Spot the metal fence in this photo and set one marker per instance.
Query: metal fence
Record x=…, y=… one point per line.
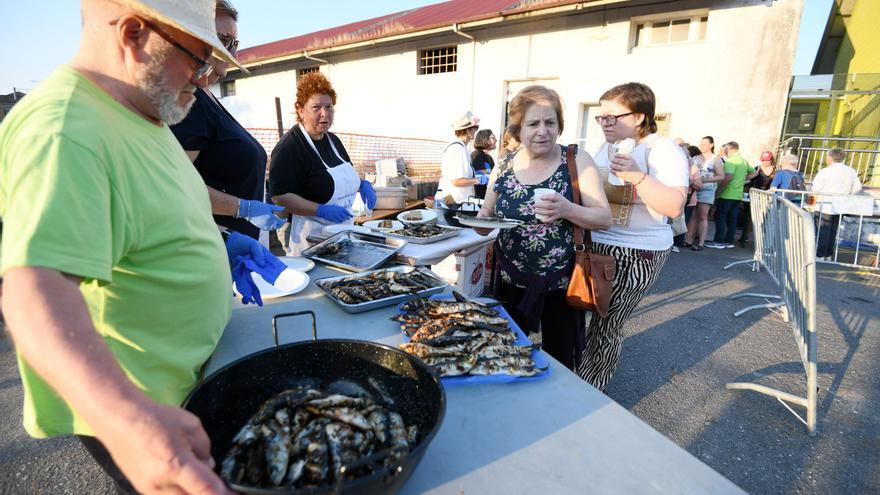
x=422, y=156
x=863, y=154
x=785, y=245
x=854, y=235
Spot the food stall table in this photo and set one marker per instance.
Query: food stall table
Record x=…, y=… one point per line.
x=558, y=435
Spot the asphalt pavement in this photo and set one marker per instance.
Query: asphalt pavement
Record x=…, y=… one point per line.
x=682, y=345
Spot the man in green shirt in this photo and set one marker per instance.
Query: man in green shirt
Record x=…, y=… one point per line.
x=730, y=193
x=116, y=282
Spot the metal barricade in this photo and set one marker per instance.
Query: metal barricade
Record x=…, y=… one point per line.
x=787, y=251
x=764, y=236
x=850, y=223
x=863, y=154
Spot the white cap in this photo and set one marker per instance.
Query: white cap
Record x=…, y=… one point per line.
x=193, y=17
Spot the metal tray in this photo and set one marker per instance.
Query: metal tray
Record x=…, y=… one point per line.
x=388, y=301
x=450, y=232
x=364, y=251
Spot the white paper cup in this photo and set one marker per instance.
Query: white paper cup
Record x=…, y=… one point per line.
x=536, y=195
x=613, y=179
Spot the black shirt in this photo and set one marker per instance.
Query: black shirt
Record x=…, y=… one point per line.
x=480, y=160
x=230, y=159
x=762, y=180
x=295, y=168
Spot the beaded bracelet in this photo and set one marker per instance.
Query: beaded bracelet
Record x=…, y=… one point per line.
x=644, y=176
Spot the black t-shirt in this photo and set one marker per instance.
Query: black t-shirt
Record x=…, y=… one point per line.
x=762, y=180
x=230, y=159
x=480, y=160
x=295, y=168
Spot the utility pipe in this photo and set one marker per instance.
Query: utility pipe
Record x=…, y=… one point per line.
x=459, y=32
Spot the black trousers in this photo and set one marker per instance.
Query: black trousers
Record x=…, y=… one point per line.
x=101, y=456
x=826, y=230
x=726, y=213
x=562, y=327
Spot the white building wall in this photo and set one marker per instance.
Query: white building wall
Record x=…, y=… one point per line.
x=733, y=85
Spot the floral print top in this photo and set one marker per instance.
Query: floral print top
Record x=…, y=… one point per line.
x=534, y=247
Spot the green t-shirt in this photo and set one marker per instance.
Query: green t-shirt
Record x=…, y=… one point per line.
x=91, y=189
x=737, y=166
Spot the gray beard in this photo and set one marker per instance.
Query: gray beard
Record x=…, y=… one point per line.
x=151, y=81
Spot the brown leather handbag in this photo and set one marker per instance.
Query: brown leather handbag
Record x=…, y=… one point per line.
x=593, y=275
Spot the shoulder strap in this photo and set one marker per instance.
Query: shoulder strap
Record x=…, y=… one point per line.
x=453, y=144
x=576, y=199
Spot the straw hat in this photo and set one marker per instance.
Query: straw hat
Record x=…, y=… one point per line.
x=193, y=17
x=465, y=121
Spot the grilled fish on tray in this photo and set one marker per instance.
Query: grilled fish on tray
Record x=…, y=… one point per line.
x=301, y=438
x=379, y=285
x=420, y=230
x=463, y=337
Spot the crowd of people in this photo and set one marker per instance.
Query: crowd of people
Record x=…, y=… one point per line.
x=720, y=183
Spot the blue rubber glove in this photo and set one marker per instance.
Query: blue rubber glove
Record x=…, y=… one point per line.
x=269, y=271
x=333, y=213
x=242, y=245
x=483, y=178
x=244, y=283
x=260, y=214
x=368, y=194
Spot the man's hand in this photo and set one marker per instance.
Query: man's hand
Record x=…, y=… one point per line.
x=162, y=449
x=242, y=245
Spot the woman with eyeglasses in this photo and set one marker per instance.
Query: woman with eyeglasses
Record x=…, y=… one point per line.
x=655, y=179
x=231, y=162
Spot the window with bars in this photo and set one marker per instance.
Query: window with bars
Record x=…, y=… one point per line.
x=307, y=70
x=679, y=29
x=438, y=60
x=227, y=88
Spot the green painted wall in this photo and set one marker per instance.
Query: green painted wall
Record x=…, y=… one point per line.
x=860, y=50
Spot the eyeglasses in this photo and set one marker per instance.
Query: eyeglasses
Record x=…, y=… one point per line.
x=205, y=67
x=229, y=41
x=610, y=119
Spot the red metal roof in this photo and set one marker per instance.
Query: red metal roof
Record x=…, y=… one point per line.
x=408, y=21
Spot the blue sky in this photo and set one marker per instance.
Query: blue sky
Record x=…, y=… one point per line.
x=42, y=34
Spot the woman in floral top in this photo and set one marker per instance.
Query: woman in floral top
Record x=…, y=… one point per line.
x=536, y=257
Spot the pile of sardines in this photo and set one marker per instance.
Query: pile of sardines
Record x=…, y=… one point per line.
x=462, y=337
x=379, y=285
x=423, y=230
x=301, y=438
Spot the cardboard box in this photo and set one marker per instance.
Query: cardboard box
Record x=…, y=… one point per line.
x=466, y=270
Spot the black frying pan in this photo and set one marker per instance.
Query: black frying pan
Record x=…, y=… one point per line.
x=228, y=398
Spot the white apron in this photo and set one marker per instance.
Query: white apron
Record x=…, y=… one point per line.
x=346, y=183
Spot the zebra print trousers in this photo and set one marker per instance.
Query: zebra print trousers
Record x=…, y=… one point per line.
x=636, y=272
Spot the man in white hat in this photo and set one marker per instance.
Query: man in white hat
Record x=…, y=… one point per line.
x=116, y=283
x=457, y=178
